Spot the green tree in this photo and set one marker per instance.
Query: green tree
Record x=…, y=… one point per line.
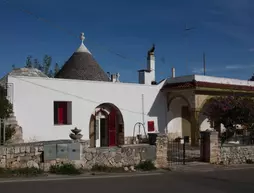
x=47, y=64
x=231, y=110
x=51, y=74
x=36, y=63
x=6, y=110
x=29, y=63
x=252, y=78
x=5, y=106
x=56, y=70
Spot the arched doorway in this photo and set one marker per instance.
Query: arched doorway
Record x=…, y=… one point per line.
x=106, y=126
x=179, y=117
x=204, y=124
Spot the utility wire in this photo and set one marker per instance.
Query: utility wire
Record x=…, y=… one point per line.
x=69, y=32
x=79, y=97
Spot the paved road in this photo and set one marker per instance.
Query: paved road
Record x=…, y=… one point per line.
x=236, y=181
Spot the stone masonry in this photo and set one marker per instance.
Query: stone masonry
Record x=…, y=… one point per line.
x=214, y=147
x=236, y=154
x=31, y=155
x=227, y=154
x=161, y=151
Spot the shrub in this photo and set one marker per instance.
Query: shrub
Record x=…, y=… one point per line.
x=2, y=170
x=230, y=111
x=147, y=165
x=66, y=169
x=9, y=132
x=27, y=171
x=20, y=172
x=249, y=161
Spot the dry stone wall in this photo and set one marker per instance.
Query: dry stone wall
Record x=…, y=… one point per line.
x=26, y=154
x=236, y=154
x=228, y=154
x=117, y=157
x=32, y=155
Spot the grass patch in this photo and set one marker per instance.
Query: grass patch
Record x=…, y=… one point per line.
x=147, y=165
x=20, y=172
x=64, y=169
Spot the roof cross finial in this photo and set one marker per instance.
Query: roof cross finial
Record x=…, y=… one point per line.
x=82, y=37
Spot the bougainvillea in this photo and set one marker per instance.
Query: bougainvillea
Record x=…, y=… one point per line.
x=230, y=111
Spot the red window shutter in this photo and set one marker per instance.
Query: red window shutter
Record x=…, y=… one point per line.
x=60, y=115
x=65, y=112
x=150, y=126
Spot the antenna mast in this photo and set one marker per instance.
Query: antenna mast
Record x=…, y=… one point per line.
x=204, y=63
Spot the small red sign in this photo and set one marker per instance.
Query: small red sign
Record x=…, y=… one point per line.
x=150, y=126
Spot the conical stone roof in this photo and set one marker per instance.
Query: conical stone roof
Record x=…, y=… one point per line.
x=82, y=66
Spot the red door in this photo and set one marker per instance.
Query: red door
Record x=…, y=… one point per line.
x=112, y=128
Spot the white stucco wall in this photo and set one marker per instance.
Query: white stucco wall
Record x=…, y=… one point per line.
x=177, y=125
x=210, y=79
x=33, y=105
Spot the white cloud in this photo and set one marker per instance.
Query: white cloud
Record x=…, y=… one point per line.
x=238, y=67
x=225, y=68
x=251, y=50
x=200, y=70
x=233, y=67
x=197, y=70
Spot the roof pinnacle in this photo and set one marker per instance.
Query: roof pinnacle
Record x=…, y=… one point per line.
x=82, y=37
x=82, y=47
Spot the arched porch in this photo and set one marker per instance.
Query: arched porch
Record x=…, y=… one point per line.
x=106, y=126
x=179, y=117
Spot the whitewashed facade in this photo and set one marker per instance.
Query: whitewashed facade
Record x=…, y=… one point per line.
x=33, y=100
x=89, y=105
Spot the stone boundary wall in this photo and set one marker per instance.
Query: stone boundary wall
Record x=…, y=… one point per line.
x=31, y=155
x=228, y=154
x=130, y=155
x=235, y=154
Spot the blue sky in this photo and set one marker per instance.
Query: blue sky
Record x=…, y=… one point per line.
x=223, y=30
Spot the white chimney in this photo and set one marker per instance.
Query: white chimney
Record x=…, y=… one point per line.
x=151, y=65
x=173, y=72
x=147, y=76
